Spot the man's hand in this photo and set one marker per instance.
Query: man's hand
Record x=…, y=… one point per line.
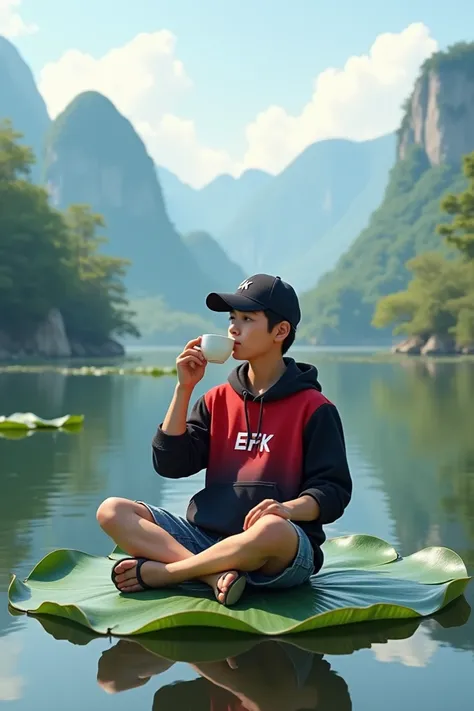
x=304, y=508
x=191, y=364
x=268, y=506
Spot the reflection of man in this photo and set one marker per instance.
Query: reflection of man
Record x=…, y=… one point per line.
x=128, y=665
x=272, y=676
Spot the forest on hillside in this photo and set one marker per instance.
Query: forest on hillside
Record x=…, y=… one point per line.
x=341, y=307
x=50, y=258
x=439, y=299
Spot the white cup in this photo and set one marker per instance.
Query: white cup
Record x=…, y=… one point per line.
x=216, y=349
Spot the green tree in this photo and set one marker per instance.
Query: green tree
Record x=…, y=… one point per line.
x=98, y=287
x=460, y=232
x=425, y=307
x=15, y=160
x=33, y=241
x=50, y=259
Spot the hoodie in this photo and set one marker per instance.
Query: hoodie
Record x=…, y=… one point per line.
x=282, y=444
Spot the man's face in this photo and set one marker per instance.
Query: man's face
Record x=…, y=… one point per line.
x=250, y=332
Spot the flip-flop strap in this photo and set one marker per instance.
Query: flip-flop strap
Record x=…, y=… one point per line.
x=138, y=574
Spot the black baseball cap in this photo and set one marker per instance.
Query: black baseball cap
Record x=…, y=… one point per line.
x=259, y=293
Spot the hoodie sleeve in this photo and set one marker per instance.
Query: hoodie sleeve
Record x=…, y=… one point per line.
x=178, y=456
x=326, y=471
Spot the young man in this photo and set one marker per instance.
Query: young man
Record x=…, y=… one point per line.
x=274, y=453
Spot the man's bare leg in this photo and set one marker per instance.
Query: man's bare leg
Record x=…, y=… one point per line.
x=269, y=546
x=132, y=527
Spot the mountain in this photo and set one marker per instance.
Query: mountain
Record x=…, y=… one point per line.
x=304, y=219
x=21, y=102
x=213, y=261
x=95, y=156
x=436, y=131
x=214, y=206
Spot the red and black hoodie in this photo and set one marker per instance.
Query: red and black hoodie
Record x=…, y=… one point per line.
x=279, y=445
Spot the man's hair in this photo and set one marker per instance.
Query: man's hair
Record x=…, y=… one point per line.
x=273, y=320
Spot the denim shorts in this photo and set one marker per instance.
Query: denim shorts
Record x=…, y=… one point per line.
x=196, y=540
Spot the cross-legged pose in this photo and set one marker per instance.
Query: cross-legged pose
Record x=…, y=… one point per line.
x=273, y=449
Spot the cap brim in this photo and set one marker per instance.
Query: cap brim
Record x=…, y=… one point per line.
x=232, y=302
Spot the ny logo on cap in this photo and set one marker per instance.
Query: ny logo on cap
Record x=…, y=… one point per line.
x=245, y=284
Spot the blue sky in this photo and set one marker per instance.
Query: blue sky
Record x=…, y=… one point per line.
x=240, y=57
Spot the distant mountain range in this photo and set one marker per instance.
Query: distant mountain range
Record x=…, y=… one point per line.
x=213, y=261
x=212, y=207
x=308, y=215
x=298, y=223
x=21, y=102
x=436, y=131
x=183, y=242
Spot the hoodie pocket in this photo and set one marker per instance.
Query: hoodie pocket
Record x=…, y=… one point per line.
x=222, y=508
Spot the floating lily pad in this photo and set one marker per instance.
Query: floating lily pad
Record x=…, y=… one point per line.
x=30, y=421
x=190, y=645
x=362, y=579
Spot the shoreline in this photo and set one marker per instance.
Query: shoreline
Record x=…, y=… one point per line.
x=118, y=366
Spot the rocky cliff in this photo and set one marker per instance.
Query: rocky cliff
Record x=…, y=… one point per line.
x=436, y=131
x=94, y=156
x=21, y=102
x=439, y=106
x=50, y=340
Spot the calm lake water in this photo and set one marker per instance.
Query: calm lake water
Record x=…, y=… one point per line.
x=410, y=438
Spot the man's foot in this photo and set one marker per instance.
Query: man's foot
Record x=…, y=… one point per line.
x=137, y=574
x=226, y=586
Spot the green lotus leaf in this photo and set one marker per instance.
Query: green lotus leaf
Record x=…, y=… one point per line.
x=362, y=579
x=30, y=421
x=190, y=645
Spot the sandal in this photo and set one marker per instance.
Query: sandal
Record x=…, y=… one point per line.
x=234, y=591
x=138, y=576
x=232, y=596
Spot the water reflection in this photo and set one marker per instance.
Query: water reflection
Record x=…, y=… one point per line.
x=50, y=470
x=409, y=433
x=245, y=671
x=11, y=681
x=272, y=676
x=432, y=408
x=416, y=431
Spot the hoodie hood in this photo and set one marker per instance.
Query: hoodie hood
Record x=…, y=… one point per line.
x=297, y=376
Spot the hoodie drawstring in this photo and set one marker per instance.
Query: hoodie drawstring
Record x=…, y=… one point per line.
x=260, y=418
x=247, y=419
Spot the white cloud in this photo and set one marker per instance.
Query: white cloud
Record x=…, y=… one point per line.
x=11, y=22
x=145, y=79
x=175, y=145
x=416, y=651
x=361, y=101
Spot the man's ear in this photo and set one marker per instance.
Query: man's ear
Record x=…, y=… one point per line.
x=282, y=330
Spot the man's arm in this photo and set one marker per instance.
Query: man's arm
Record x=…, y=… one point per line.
x=174, y=423
x=181, y=444
x=304, y=508
x=327, y=480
